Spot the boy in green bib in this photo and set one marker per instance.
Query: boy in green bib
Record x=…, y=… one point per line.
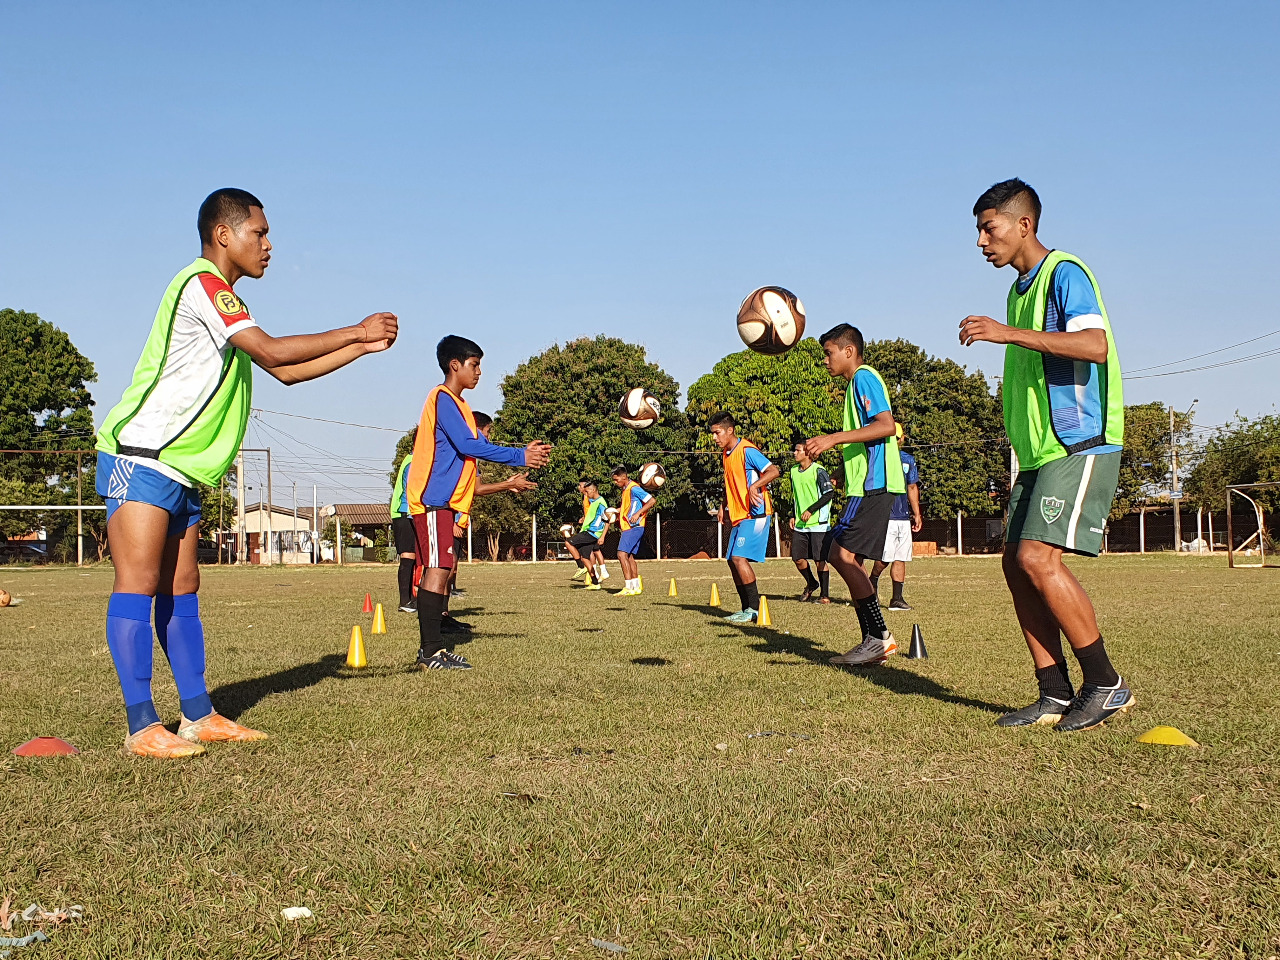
x=1064, y=413
x=180, y=424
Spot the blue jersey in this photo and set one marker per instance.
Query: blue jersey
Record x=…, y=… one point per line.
x=1075, y=386
x=594, y=522
x=869, y=396
x=901, y=504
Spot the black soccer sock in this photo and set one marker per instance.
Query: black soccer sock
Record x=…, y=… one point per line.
x=809, y=579
x=404, y=580
x=742, y=594
x=863, y=625
x=875, y=586
x=1096, y=665
x=430, y=608
x=1054, y=682
x=897, y=589
x=875, y=625
x=750, y=596
x=824, y=578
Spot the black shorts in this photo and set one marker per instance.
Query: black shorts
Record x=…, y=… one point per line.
x=585, y=541
x=403, y=535
x=807, y=545
x=863, y=526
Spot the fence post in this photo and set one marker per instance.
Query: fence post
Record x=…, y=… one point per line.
x=533, y=551
x=1200, y=529
x=959, y=535
x=1142, y=529
x=719, y=539
x=79, y=513
x=1211, y=530
x=469, y=560
x=777, y=537
x=337, y=526
x=657, y=523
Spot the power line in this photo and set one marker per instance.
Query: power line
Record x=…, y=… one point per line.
x=1199, y=356
x=1207, y=366
x=341, y=423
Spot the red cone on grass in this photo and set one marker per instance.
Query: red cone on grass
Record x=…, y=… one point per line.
x=368, y=604
x=46, y=747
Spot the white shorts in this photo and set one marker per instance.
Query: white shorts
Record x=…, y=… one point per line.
x=897, y=544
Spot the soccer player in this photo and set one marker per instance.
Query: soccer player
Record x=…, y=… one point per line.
x=591, y=534
x=402, y=535
x=747, y=475
x=635, y=506
x=872, y=477
x=180, y=423
x=1064, y=414
x=811, y=492
x=442, y=483
x=904, y=520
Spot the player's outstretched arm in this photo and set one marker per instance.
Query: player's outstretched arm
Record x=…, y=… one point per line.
x=456, y=431
x=881, y=426
x=294, y=359
x=1088, y=345
x=517, y=484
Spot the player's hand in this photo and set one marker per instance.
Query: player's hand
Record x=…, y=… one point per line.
x=916, y=523
x=458, y=531
x=818, y=446
x=805, y=516
x=720, y=515
x=537, y=454
x=975, y=328
x=520, y=483
x=379, y=331
x=755, y=495
x=793, y=523
x=600, y=539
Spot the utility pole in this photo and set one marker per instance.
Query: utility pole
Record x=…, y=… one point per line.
x=315, y=526
x=293, y=534
x=241, y=546
x=1175, y=495
x=270, y=506
x=79, y=513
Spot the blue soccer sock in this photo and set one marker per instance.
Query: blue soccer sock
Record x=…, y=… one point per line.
x=129, y=640
x=182, y=639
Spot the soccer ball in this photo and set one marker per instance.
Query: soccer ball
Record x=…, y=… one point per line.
x=771, y=320
x=566, y=530
x=639, y=409
x=611, y=514
x=652, y=476
x=5, y=598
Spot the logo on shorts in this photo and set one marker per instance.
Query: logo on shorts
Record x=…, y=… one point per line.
x=741, y=541
x=1051, y=508
x=228, y=303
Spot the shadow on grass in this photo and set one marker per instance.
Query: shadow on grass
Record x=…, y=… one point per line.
x=234, y=699
x=650, y=662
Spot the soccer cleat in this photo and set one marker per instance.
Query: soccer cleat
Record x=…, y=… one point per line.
x=457, y=661
x=593, y=586
x=807, y=594
x=824, y=599
x=871, y=651
x=1094, y=705
x=157, y=742
x=410, y=607
x=580, y=575
x=896, y=604
x=742, y=616
x=625, y=592
x=450, y=625
x=455, y=592
x=215, y=728
x=1046, y=710
x=437, y=661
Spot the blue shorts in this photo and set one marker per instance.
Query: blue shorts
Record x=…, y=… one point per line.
x=629, y=542
x=120, y=480
x=750, y=539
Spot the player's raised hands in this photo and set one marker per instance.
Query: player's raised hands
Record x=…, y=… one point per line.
x=977, y=328
x=537, y=454
x=520, y=483
x=380, y=331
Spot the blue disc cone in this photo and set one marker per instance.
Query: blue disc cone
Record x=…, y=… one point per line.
x=917, y=652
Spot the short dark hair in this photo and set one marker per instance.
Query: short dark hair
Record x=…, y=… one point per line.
x=588, y=482
x=482, y=419
x=1006, y=193
x=453, y=347
x=619, y=471
x=228, y=205
x=844, y=335
x=724, y=416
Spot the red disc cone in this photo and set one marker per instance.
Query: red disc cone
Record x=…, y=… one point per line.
x=368, y=604
x=46, y=747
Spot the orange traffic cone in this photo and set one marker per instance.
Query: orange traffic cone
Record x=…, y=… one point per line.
x=379, y=622
x=355, y=649
x=368, y=604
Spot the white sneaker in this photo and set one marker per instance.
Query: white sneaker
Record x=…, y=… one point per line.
x=872, y=650
x=603, y=574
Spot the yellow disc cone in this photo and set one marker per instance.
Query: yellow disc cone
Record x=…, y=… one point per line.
x=715, y=596
x=672, y=592
x=355, y=649
x=379, y=621
x=1167, y=737
x=763, y=617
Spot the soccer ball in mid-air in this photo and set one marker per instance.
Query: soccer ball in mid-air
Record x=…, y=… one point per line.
x=5, y=599
x=611, y=514
x=771, y=320
x=652, y=476
x=639, y=409
x=566, y=530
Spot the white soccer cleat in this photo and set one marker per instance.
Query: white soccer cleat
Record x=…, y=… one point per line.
x=872, y=650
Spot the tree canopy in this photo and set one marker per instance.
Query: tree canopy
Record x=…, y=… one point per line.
x=1246, y=451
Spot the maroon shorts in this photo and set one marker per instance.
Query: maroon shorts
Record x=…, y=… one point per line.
x=433, y=532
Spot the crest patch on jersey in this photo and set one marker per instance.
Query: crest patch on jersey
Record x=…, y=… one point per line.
x=230, y=307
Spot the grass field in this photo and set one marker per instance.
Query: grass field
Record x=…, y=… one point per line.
x=887, y=817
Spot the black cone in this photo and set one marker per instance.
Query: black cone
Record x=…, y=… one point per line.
x=917, y=652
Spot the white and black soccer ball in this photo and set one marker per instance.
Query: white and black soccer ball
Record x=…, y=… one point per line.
x=639, y=409
x=611, y=514
x=566, y=530
x=771, y=320
x=652, y=476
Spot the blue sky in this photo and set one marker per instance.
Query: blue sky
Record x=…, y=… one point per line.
x=529, y=173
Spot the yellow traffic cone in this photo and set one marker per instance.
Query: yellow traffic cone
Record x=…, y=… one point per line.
x=379, y=621
x=763, y=617
x=355, y=649
x=1167, y=737
x=715, y=596
x=672, y=592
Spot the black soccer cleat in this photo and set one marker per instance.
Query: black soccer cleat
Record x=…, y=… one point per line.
x=440, y=660
x=450, y=625
x=1047, y=710
x=897, y=604
x=457, y=661
x=807, y=594
x=1095, y=705
x=410, y=607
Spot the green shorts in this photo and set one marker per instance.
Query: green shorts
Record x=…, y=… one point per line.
x=1065, y=502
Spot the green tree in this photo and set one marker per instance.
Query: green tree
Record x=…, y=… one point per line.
x=1246, y=451
x=1144, y=462
x=568, y=395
